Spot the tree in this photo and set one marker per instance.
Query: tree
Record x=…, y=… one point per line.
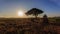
x=34, y=12
x=45, y=20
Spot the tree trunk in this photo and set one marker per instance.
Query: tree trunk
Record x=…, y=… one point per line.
x=36, y=16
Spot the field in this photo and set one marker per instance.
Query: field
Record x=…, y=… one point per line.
x=29, y=26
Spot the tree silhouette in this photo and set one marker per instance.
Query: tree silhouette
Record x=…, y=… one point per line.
x=34, y=12
x=45, y=20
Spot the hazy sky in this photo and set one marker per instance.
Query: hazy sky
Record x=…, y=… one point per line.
x=11, y=7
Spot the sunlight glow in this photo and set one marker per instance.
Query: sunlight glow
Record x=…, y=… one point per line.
x=20, y=13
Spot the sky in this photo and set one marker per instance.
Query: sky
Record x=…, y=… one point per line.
x=9, y=8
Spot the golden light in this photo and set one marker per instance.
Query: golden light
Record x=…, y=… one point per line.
x=20, y=13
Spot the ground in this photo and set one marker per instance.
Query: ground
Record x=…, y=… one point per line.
x=29, y=26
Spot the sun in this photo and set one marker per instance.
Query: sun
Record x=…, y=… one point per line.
x=20, y=13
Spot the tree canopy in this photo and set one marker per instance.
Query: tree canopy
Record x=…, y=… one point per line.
x=34, y=12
